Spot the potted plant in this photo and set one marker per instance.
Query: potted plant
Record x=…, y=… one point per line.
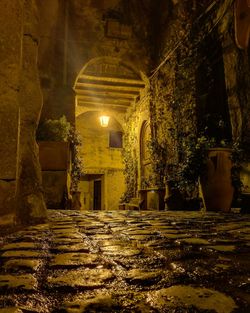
x=60, y=162
x=215, y=165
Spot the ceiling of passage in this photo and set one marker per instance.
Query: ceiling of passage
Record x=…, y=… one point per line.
x=107, y=83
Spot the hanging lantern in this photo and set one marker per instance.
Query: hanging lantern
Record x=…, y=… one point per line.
x=104, y=120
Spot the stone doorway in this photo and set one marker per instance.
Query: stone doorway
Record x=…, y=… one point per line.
x=91, y=188
x=105, y=86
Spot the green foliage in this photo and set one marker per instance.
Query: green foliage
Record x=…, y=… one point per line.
x=192, y=164
x=159, y=154
x=77, y=163
x=131, y=168
x=54, y=130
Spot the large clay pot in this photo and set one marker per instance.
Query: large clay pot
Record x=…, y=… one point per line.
x=216, y=183
x=54, y=157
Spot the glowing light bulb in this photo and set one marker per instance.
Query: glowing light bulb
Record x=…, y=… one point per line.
x=104, y=120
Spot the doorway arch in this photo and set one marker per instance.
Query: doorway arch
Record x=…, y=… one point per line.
x=111, y=86
x=145, y=160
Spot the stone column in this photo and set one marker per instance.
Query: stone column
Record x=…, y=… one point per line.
x=30, y=202
x=10, y=59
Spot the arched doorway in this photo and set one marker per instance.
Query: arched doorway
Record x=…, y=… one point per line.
x=110, y=86
x=103, y=182
x=145, y=162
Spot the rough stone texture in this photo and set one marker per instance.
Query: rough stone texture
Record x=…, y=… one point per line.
x=164, y=275
x=10, y=50
x=26, y=282
x=21, y=102
x=15, y=265
x=187, y=296
x=74, y=259
x=30, y=202
x=100, y=303
x=142, y=277
x=88, y=278
x=21, y=254
x=20, y=246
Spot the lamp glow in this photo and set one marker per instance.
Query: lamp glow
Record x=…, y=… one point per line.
x=104, y=120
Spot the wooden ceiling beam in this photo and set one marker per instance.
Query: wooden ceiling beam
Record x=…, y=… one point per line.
x=118, y=107
x=119, y=88
x=100, y=105
x=111, y=80
x=109, y=94
x=104, y=100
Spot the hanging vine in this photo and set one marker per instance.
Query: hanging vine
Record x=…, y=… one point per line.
x=130, y=160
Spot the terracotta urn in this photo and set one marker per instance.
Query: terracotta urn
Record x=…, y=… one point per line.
x=216, y=183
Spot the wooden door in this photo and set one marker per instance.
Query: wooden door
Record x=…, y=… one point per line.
x=97, y=195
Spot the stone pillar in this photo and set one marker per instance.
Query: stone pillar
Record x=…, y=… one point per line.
x=30, y=202
x=10, y=58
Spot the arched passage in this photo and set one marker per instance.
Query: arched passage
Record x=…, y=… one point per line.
x=104, y=85
x=109, y=84
x=103, y=182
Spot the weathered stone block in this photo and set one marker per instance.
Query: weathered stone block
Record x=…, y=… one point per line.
x=7, y=194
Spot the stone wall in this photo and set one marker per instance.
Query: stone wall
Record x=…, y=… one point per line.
x=137, y=116
x=179, y=47
x=10, y=59
x=21, y=192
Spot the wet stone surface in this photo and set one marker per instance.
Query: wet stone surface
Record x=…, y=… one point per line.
x=128, y=261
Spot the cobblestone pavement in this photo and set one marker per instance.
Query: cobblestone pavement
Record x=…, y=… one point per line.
x=124, y=261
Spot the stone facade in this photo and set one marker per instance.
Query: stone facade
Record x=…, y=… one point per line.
x=45, y=45
x=101, y=162
x=176, y=99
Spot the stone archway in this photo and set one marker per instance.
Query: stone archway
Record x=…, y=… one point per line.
x=110, y=86
x=107, y=83
x=102, y=162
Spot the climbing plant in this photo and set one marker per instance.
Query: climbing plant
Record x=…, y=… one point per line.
x=130, y=160
x=174, y=93
x=77, y=169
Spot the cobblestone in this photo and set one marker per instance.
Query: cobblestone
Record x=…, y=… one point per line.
x=128, y=261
